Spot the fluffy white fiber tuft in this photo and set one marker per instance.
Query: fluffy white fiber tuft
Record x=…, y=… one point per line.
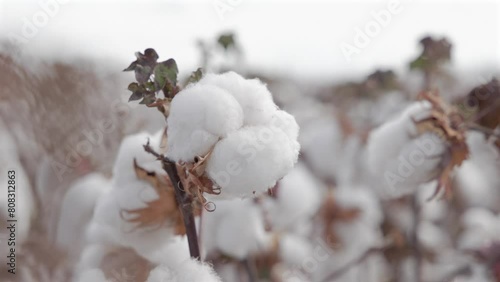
x=188, y=271
x=199, y=116
x=255, y=143
x=401, y=158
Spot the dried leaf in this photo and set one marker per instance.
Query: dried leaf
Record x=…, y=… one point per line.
x=446, y=122
x=161, y=211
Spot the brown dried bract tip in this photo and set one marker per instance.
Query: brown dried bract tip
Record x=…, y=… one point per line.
x=196, y=182
x=446, y=122
x=159, y=212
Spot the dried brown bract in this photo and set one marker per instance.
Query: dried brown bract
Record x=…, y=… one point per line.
x=161, y=211
x=195, y=181
x=446, y=122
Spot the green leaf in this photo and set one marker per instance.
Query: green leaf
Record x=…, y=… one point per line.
x=226, y=40
x=138, y=91
x=148, y=99
x=195, y=76
x=166, y=72
x=135, y=96
x=419, y=63
x=132, y=66
x=142, y=73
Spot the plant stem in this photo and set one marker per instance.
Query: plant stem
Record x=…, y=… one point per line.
x=183, y=200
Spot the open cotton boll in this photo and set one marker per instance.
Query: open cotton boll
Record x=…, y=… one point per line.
x=431, y=210
x=199, y=116
x=477, y=177
x=173, y=253
x=251, y=160
x=235, y=228
x=241, y=232
x=297, y=199
x=285, y=122
x=321, y=141
x=433, y=236
x=294, y=249
x=132, y=149
x=400, y=158
x=188, y=271
x=481, y=228
x=77, y=209
x=129, y=193
x=253, y=96
x=92, y=275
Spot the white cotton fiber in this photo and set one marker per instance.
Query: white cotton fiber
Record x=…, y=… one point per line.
x=477, y=177
x=92, y=275
x=128, y=193
x=199, y=116
x=189, y=271
x=253, y=96
x=400, y=158
x=240, y=232
x=294, y=249
x=255, y=143
x=251, y=160
x=481, y=228
x=77, y=210
x=297, y=199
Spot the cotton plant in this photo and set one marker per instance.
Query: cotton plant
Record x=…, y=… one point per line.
x=225, y=141
x=426, y=142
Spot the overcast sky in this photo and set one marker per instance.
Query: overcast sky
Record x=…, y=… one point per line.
x=295, y=37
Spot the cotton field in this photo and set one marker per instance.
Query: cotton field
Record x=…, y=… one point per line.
x=207, y=141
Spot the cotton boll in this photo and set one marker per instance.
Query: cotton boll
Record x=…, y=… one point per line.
x=433, y=211
x=241, y=232
x=188, y=271
x=481, y=228
x=77, y=209
x=294, y=249
x=132, y=149
x=173, y=253
x=399, y=158
x=477, y=177
x=253, y=96
x=363, y=199
x=199, y=116
x=92, y=275
x=322, y=143
x=433, y=237
x=128, y=193
x=285, y=122
x=251, y=160
x=92, y=256
x=297, y=199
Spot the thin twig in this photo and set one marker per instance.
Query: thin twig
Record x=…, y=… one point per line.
x=183, y=200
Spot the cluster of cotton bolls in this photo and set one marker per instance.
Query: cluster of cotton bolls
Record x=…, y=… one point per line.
x=108, y=232
x=342, y=212
x=253, y=143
